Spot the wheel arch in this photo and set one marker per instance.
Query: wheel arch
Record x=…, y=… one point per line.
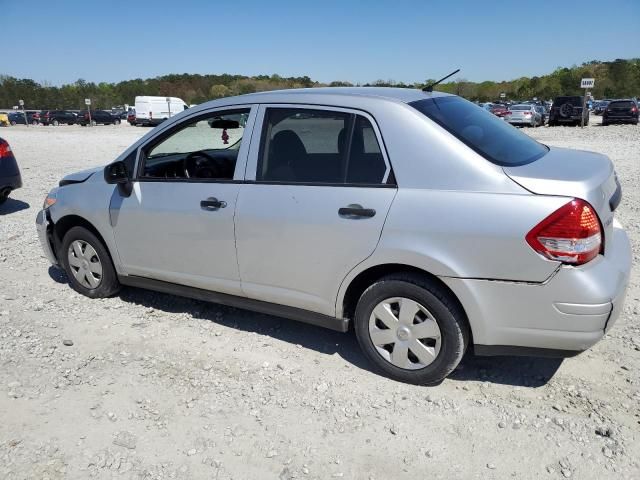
x=370, y=275
x=66, y=223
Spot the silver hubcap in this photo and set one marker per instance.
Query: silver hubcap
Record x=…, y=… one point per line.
x=85, y=264
x=404, y=333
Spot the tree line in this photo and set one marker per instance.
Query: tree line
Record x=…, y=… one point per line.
x=615, y=79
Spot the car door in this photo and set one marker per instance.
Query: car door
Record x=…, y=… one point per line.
x=178, y=223
x=319, y=186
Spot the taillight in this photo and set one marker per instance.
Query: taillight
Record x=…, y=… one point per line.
x=571, y=234
x=5, y=150
x=634, y=109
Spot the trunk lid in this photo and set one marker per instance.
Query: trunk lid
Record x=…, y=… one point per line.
x=576, y=174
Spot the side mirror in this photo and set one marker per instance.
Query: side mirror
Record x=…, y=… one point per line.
x=116, y=173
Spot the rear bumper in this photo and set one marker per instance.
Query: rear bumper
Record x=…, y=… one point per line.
x=569, y=312
x=620, y=119
x=44, y=227
x=13, y=182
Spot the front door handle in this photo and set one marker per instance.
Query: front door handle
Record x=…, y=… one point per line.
x=355, y=210
x=212, y=203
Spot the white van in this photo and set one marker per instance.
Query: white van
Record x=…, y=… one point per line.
x=155, y=110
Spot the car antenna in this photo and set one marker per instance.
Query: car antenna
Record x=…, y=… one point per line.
x=429, y=88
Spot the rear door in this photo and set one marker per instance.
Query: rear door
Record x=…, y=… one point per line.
x=318, y=189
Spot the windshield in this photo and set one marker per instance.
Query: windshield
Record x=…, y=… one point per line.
x=491, y=137
x=520, y=107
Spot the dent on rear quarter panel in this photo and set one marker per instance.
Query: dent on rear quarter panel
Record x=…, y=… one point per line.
x=467, y=235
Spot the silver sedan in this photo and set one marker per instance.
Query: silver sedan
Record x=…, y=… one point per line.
x=524, y=115
x=419, y=220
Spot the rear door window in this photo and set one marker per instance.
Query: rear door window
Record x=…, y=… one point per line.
x=312, y=146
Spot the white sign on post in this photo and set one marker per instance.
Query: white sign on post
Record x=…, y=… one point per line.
x=503, y=95
x=21, y=102
x=87, y=101
x=587, y=83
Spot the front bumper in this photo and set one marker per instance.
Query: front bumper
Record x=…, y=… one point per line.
x=570, y=311
x=45, y=235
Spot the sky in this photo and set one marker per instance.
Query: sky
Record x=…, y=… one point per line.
x=357, y=41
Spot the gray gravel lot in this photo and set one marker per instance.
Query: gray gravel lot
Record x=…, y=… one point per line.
x=156, y=386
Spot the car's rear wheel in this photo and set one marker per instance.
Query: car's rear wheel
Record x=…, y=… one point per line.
x=88, y=264
x=34, y=122
x=116, y=122
x=93, y=123
x=13, y=122
x=411, y=328
x=55, y=123
x=4, y=194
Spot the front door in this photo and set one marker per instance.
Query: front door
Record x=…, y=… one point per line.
x=314, y=204
x=178, y=223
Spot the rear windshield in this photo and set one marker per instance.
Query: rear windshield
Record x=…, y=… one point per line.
x=490, y=136
x=626, y=104
x=575, y=101
x=520, y=107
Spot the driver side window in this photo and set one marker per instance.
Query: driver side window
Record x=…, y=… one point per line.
x=203, y=149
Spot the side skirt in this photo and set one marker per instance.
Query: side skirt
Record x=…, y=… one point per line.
x=292, y=313
x=515, y=351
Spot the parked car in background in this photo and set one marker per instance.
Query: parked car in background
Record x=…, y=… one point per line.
x=524, y=115
x=600, y=106
x=499, y=110
x=97, y=117
x=457, y=231
x=18, y=117
x=567, y=110
x=4, y=119
x=155, y=110
x=542, y=111
x=56, y=117
x=10, y=178
x=131, y=117
x=621, y=111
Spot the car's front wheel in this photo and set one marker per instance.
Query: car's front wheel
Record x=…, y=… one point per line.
x=116, y=122
x=411, y=328
x=88, y=264
x=4, y=195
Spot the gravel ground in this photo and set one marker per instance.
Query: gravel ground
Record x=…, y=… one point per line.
x=148, y=386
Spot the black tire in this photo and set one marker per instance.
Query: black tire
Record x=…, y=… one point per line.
x=13, y=122
x=34, y=123
x=109, y=284
x=605, y=123
x=55, y=123
x=116, y=122
x=447, y=312
x=4, y=195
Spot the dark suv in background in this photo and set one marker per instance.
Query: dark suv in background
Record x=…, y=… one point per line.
x=620, y=111
x=567, y=110
x=97, y=116
x=56, y=117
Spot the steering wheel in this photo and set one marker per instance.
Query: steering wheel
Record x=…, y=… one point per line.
x=191, y=165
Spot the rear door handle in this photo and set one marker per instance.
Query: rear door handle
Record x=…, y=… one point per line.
x=356, y=211
x=212, y=203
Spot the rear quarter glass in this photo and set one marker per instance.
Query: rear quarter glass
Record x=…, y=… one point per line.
x=488, y=135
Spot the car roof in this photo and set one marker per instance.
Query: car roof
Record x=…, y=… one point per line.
x=330, y=96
